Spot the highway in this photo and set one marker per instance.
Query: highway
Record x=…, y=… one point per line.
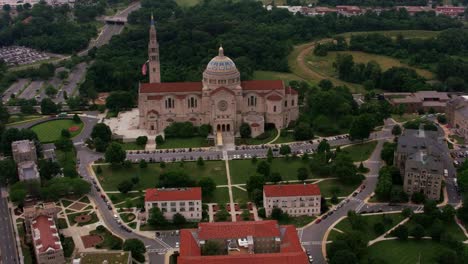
x=9, y=253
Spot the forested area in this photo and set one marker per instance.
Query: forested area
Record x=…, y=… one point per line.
x=45, y=27
x=256, y=39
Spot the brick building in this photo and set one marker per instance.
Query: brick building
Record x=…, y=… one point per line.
x=23, y=150
x=242, y=242
x=185, y=201
x=294, y=199
x=422, y=100
x=457, y=115
x=46, y=241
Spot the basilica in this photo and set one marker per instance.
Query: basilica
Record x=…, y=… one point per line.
x=221, y=99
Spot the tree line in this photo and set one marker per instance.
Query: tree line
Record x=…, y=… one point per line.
x=256, y=39
x=379, y=3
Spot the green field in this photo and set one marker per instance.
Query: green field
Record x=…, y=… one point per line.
x=239, y=195
x=345, y=226
x=220, y=195
x=241, y=170
x=324, y=65
x=406, y=252
x=22, y=118
x=272, y=133
x=451, y=228
x=187, y=3
x=193, y=142
x=110, y=178
x=103, y=257
x=50, y=131
x=289, y=137
x=404, y=117
x=360, y=152
x=327, y=186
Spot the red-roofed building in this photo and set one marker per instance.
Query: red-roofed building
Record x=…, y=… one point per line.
x=185, y=201
x=242, y=242
x=294, y=199
x=46, y=241
x=451, y=11
x=346, y=10
x=220, y=99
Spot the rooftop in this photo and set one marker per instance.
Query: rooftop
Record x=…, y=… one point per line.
x=282, y=190
x=23, y=145
x=173, y=194
x=28, y=170
x=45, y=234
x=238, y=229
x=180, y=87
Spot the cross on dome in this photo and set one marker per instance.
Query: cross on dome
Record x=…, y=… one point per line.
x=221, y=51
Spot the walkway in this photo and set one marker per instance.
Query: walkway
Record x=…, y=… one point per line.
x=231, y=199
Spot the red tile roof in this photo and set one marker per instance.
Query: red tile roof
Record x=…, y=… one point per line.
x=263, y=85
x=181, y=194
x=45, y=235
x=281, y=190
x=290, y=90
x=171, y=87
x=238, y=229
x=290, y=250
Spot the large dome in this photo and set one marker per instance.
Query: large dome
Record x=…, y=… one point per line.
x=221, y=71
x=221, y=64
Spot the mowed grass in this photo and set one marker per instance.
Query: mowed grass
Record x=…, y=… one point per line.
x=451, y=228
x=423, y=34
x=149, y=177
x=324, y=64
x=239, y=196
x=345, y=226
x=271, y=75
x=327, y=187
x=220, y=195
x=22, y=118
x=241, y=170
x=193, y=142
x=51, y=131
x=404, y=117
x=406, y=252
x=360, y=152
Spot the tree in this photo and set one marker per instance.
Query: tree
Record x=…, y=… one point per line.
x=212, y=248
x=303, y=132
x=65, y=133
x=156, y=218
x=222, y=215
x=276, y=177
x=407, y=212
x=207, y=185
x=102, y=131
x=442, y=119
x=276, y=213
x=200, y=162
x=447, y=256
x=125, y=186
x=447, y=214
x=48, y=107
x=204, y=130
x=178, y=220
x=418, y=197
x=396, y=130
x=245, y=130
x=387, y=153
x=264, y=168
x=302, y=174
x=417, y=232
x=48, y=169
x=76, y=119
x=115, y=154
x=159, y=140
x=345, y=170
x=401, y=232
x=62, y=75
x=175, y=179
x=141, y=140
x=253, y=183
x=343, y=257
x=136, y=247
x=245, y=215
x=99, y=169
x=50, y=91
x=9, y=173
x=269, y=155
x=361, y=127
x=379, y=228
x=4, y=114
x=143, y=164
x=119, y=100
x=285, y=149
x=323, y=146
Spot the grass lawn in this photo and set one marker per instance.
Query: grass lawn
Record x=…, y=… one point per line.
x=110, y=241
x=241, y=170
x=452, y=228
x=66, y=203
x=271, y=75
x=71, y=218
x=127, y=217
x=239, y=195
x=406, y=252
x=104, y=257
x=404, y=117
x=187, y=3
x=130, y=146
x=50, y=131
x=121, y=197
x=193, y=142
x=345, y=226
x=361, y=152
x=289, y=137
x=149, y=176
x=272, y=133
x=68, y=246
x=220, y=195
x=457, y=139
x=22, y=118
x=62, y=223
x=327, y=186
x=298, y=221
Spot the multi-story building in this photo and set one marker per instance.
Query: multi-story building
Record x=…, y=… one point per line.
x=451, y=11
x=423, y=173
x=457, y=115
x=23, y=150
x=185, y=201
x=33, y=211
x=421, y=157
x=294, y=199
x=27, y=171
x=346, y=10
x=46, y=241
x=422, y=100
x=242, y=242
x=221, y=99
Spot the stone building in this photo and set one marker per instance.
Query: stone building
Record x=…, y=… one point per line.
x=33, y=211
x=185, y=201
x=422, y=100
x=46, y=241
x=421, y=157
x=221, y=99
x=24, y=150
x=250, y=242
x=457, y=115
x=294, y=199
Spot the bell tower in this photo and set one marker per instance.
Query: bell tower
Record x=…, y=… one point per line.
x=153, y=54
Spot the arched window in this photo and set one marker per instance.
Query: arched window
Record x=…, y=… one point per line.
x=274, y=108
x=192, y=102
x=228, y=127
x=169, y=103
x=252, y=100
x=292, y=102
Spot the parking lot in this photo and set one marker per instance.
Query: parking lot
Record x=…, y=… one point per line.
x=15, y=88
x=17, y=55
x=31, y=91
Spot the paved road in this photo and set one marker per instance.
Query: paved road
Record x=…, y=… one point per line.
x=15, y=88
x=31, y=90
x=9, y=254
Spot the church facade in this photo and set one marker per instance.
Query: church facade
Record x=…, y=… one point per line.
x=221, y=99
